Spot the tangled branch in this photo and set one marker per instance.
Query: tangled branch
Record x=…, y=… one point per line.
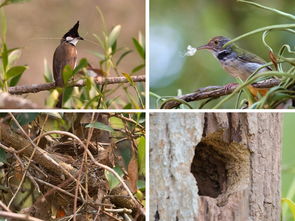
x=213, y=92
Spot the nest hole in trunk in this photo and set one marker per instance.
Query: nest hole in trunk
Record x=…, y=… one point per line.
x=220, y=168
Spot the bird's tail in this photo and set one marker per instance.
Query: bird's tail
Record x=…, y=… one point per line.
x=59, y=101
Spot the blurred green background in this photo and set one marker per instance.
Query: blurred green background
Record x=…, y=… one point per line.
x=288, y=159
x=176, y=24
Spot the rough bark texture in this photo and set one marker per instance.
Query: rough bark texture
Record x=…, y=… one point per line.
x=173, y=189
x=234, y=158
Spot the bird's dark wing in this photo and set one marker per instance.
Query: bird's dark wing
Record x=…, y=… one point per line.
x=247, y=56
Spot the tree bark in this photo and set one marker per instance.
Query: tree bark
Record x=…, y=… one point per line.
x=215, y=166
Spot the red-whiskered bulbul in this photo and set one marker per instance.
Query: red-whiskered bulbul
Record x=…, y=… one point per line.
x=65, y=53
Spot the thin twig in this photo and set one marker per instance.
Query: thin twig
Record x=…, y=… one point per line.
x=4, y=206
x=28, y=173
x=127, y=119
x=110, y=215
x=70, y=194
x=8, y=149
x=18, y=216
x=42, y=157
x=81, y=169
x=93, y=159
x=34, y=88
x=214, y=92
x=121, y=210
x=54, y=187
x=30, y=159
x=127, y=218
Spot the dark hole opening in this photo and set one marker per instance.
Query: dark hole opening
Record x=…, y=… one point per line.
x=209, y=170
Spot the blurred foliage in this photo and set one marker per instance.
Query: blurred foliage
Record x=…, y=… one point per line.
x=112, y=180
x=7, y=2
x=288, y=164
x=291, y=205
x=198, y=22
x=9, y=72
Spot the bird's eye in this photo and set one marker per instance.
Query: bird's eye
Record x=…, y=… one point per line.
x=216, y=42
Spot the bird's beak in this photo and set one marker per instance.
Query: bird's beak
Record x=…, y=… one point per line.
x=204, y=47
x=80, y=38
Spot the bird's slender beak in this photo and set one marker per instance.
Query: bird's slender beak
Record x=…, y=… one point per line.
x=80, y=38
x=204, y=47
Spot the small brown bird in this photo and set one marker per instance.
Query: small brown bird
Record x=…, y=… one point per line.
x=65, y=53
x=238, y=62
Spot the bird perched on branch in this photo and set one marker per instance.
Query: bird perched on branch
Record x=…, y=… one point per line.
x=65, y=54
x=238, y=62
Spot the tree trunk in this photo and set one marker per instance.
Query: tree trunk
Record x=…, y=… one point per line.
x=215, y=166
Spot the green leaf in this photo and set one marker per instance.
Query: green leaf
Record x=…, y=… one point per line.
x=14, y=71
x=11, y=50
x=116, y=123
x=99, y=55
x=67, y=73
x=141, y=185
x=291, y=205
x=82, y=64
x=88, y=83
x=141, y=155
x=99, y=40
x=137, y=68
x=68, y=91
x=122, y=56
x=124, y=151
x=113, y=36
x=47, y=72
x=25, y=118
x=18, y=1
x=13, y=56
x=114, y=47
x=128, y=106
x=55, y=115
x=100, y=126
x=134, y=102
x=92, y=102
x=140, y=38
x=4, y=3
x=13, y=81
x=287, y=15
x=52, y=99
x=139, y=48
x=7, y=2
x=128, y=77
x=3, y=25
x=101, y=17
x=4, y=55
x=3, y=157
x=141, y=118
x=112, y=180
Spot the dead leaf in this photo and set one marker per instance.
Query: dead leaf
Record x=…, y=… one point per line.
x=273, y=59
x=133, y=173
